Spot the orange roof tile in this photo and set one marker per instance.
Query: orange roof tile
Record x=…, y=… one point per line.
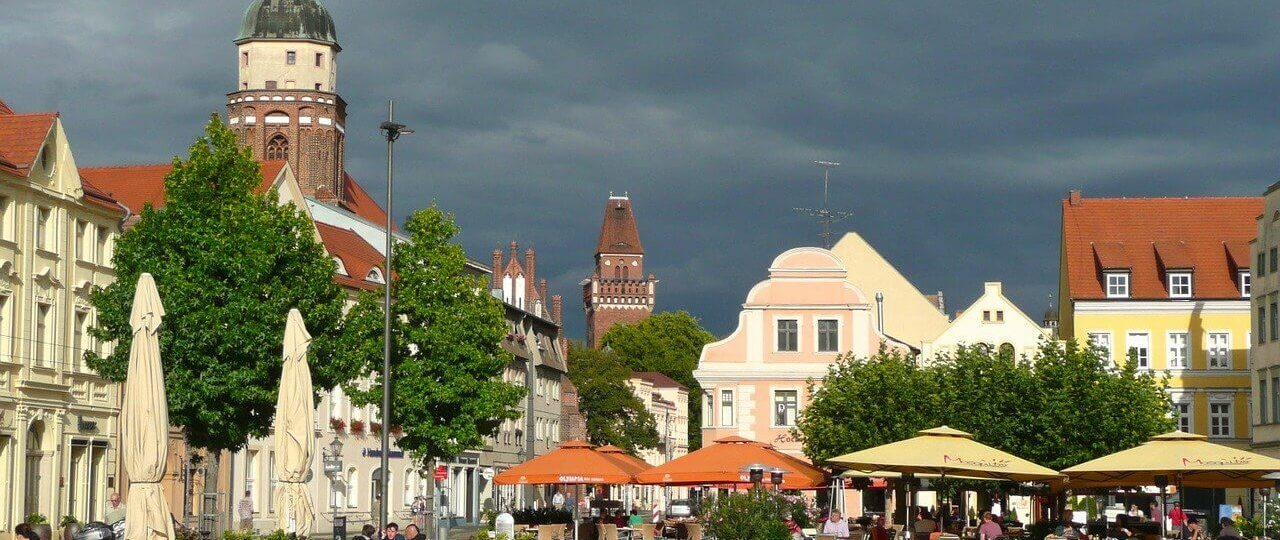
x=356, y=254
x=1151, y=235
x=657, y=379
x=138, y=185
x=618, y=232
x=358, y=201
x=21, y=136
x=4, y=108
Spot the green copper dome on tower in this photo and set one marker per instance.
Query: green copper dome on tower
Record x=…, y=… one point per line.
x=302, y=20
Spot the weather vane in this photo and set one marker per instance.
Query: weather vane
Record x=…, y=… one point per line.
x=825, y=215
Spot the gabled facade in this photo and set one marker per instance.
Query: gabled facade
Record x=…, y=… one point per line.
x=1264, y=348
x=992, y=321
x=59, y=421
x=792, y=327
x=1165, y=283
x=909, y=315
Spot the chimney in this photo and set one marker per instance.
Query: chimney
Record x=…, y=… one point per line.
x=880, y=312
x=556, y=304
x=542, y=290
x=1074, y=197
x=530, y=258
x=497, y=268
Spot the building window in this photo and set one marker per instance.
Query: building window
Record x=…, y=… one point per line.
x=1139, y=345
x=1102, y=340
x=1180, y=285
x=1182, y=415
x=251, y=476
x=244, y=58
x=1246, y=284
x=80, y=239
x=986, y=316
x=6, y=231
x=1262, y=324
x=1220, y=419
x=788, y=335
x=999, y=315
x=726, y=408
x=42, y=228
x=77, y=338
x=1262, y=397
x=1261, y=265
x=786, y=403
x=1117, y=285
x=708, y=409
x=271, y=85
x=1275, y=399
x=271, y=481
x=43, y=322
x=1272, y=313
x=291, y=57
x=1274, y=257
x=1219, y=350
x=1177, y=350
x=278, y=148
x=319, y=59
x=353, y=488
x=828, y=335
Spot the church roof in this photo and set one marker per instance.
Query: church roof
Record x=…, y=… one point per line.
x=293, y=20
x=138, y=185
x=358, y=257
x=618, y=233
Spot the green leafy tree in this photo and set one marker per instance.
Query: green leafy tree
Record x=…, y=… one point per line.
x=614, y=414
x=447, y=393
x=229, y=263
x=669, y=343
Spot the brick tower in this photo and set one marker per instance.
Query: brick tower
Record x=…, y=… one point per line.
x=618, y=291
x=286, y=105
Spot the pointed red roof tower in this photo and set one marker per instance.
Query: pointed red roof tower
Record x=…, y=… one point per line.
x=618, y=292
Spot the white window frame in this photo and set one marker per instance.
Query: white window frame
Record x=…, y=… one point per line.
x=1185, y=349
x=709, y=409
x=733, y=407
x=1180, y=285
x=1222, y=358
x=1188, y=415
x=1228, y=417
x=773, y=405
x=1246, y=284
x=41, y=233
x=1109, y=345
x=777, y=331
x=1120, y=287
x=817, y=334
x=1129, y=337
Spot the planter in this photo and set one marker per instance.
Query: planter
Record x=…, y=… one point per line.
x=69, y=531
x=44, y=531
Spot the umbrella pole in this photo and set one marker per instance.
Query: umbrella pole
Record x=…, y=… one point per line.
x=1163, y=532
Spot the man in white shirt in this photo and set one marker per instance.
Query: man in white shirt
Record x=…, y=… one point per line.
x=557, y=500
x=835, y=525
x=115, y=510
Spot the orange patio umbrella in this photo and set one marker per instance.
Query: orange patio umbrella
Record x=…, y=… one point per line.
x=723, y=463
x=632, y=463
x=574, y=462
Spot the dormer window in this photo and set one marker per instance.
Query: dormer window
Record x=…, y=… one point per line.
x=1179, y=284
x=1117, y=284
x=374, y=276
x=48, y=161
x=1246, y=284
x=341, y=268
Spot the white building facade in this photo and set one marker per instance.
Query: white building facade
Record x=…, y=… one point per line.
x=992, y=321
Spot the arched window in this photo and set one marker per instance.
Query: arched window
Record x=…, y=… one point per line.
x=353, y=491
x=624, y=272
x=408, y=487
x=1006, y=351
x=342, y=268
x=374, y=276
x=617, y=272
x=278, y=148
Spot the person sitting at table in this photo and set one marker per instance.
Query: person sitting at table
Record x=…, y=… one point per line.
x=636, y=520
x=1228, y=529
x=878, y=532
x=1194, y=531
x=924, y=525
x=835, y=525
x=794, y=528
x=990, y=530
x=1116, y=530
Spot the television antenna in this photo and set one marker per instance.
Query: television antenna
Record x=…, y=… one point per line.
x=825, y=215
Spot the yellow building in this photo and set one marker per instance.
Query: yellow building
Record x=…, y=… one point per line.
x=1166, y=282
x=58, y=420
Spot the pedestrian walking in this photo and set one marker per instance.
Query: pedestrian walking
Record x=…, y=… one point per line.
x=419, y=511
x=245, y=512
x=557, y=500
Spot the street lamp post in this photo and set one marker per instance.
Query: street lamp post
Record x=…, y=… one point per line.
x=332, y=459
x=392, y=131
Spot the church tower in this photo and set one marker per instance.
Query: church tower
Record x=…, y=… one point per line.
x=618, y=291
x=286, y=105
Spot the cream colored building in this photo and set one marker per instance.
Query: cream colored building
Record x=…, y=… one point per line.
x=1264, y=341
x=58, y=419
x=993, y=321
x=909, y=316
x=668, y=401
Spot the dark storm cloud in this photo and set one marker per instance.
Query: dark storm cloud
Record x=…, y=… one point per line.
x=960, y=125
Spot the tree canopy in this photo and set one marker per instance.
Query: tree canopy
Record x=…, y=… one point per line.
x=1060, y=408
x=614, y=414
x=229, y=263
x=447, y=391
x=670, y=343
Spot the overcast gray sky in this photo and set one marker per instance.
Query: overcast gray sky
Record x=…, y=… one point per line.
x=961, y=125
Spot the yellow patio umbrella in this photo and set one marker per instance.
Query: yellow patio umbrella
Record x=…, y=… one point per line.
x=945, y=452
x=295, y=437
x=144, y=421
x=1181, y=458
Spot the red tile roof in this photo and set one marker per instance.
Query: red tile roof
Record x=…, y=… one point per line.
x=618, y=232
x=658, y=379
x=357, y=256
x=138, y=185
x=358, y=201
x=1209, y=235
x=4, y=108
x=21, y=136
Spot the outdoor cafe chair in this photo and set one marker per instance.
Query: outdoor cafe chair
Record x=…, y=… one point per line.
x=826, y=537
x=551, y=532
x=607, y=531
x=646, y=531
x=694, y=531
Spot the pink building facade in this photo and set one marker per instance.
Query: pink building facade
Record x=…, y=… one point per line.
x=792, y=327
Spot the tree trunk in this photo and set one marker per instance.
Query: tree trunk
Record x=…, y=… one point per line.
x=210, y=515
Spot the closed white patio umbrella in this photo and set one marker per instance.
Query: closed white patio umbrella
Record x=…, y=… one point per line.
x=295, y=437
x=144, y=419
